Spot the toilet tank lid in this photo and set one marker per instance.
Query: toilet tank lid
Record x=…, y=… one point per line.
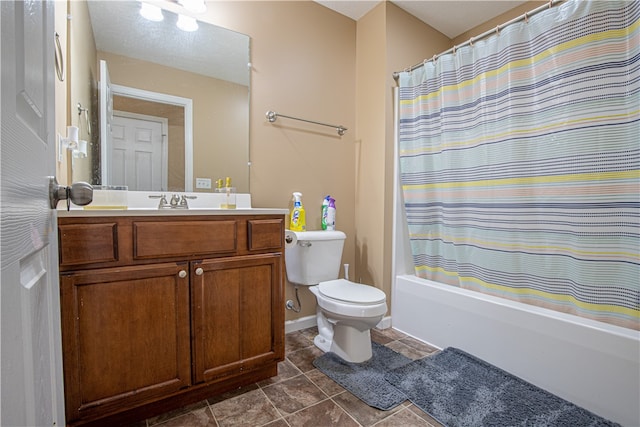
x=320, y=235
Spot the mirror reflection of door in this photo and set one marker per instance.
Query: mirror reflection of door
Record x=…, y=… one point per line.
x=139, y=151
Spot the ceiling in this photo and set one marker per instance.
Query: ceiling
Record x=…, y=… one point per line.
x=444, y=16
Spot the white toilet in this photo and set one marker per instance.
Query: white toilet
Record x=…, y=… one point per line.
x=346, y=311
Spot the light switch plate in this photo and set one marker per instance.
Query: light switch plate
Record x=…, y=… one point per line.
x=203, y=183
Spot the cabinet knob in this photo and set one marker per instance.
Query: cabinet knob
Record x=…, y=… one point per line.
x=182, y=274
x=199, y=271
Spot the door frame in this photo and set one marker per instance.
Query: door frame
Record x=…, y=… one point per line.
x=163, y=98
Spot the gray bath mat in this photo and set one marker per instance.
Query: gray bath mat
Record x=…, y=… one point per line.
x=366, y=380
x=460, y=390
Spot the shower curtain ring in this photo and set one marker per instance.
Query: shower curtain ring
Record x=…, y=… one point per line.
x=471, y=42
x=526, y=18
x=498, y=30
x=434, y=58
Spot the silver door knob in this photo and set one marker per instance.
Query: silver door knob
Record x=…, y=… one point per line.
x=182, y=274
x=80, y=193
x=199, y=271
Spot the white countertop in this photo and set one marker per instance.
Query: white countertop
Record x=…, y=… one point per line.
x=138, y=203
x=168, y=212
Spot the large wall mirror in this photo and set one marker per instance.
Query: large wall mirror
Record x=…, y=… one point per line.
x=175, y=103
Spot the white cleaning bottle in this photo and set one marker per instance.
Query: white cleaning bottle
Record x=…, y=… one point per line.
x=331, y=215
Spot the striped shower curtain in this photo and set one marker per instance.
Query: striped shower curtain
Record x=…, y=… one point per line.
x=520, y=162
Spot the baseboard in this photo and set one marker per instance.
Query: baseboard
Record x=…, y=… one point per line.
x=385, y=323
x=299, y=324
x=310, y=321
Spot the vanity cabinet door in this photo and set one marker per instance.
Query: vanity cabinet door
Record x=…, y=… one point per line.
x=237, y=317
x=125, y=336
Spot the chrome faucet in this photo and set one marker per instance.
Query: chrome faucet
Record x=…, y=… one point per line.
x=176, y=202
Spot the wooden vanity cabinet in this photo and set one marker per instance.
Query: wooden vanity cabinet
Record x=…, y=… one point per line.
x=160, y=312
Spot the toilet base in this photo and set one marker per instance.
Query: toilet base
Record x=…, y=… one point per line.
x=343, y=333
x=351, y=344
x=322, y=343
x=351, y=341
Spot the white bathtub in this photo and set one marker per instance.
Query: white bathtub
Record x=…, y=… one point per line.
x=592, y=364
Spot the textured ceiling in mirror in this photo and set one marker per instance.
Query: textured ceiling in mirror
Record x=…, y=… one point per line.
x=212, y=51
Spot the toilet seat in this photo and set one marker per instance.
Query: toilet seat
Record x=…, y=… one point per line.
x=346, y=291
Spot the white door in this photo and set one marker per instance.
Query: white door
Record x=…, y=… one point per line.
x=31, y=384
x=139, y=151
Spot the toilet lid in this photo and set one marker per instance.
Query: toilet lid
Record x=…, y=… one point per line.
x=347, y=291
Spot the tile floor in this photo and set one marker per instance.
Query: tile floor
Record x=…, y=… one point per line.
x=300, y=395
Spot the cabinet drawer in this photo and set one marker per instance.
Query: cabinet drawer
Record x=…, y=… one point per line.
x=88, y=243
x=265, y=234
x=156, y=239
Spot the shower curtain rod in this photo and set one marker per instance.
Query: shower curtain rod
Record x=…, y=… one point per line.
x=272, y=116
x=496, y=30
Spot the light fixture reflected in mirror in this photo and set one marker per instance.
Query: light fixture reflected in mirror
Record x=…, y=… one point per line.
x=187, y=23
x=194, y=6
x=151, y=12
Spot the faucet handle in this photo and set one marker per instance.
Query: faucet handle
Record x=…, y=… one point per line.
x=163, y=200
x=183, y=200
x=175, y=199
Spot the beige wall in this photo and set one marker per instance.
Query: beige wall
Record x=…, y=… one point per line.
x=78, y=85
x=311, y=62
x=303, y=58
x=61, y=89
x=387, y=40
x=498, y=20
x=82, y=82
x=371, y=54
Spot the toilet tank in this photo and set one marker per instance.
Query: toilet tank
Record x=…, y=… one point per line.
x=315, y=257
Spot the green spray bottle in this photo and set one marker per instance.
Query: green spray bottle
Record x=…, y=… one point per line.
x=324, y=212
